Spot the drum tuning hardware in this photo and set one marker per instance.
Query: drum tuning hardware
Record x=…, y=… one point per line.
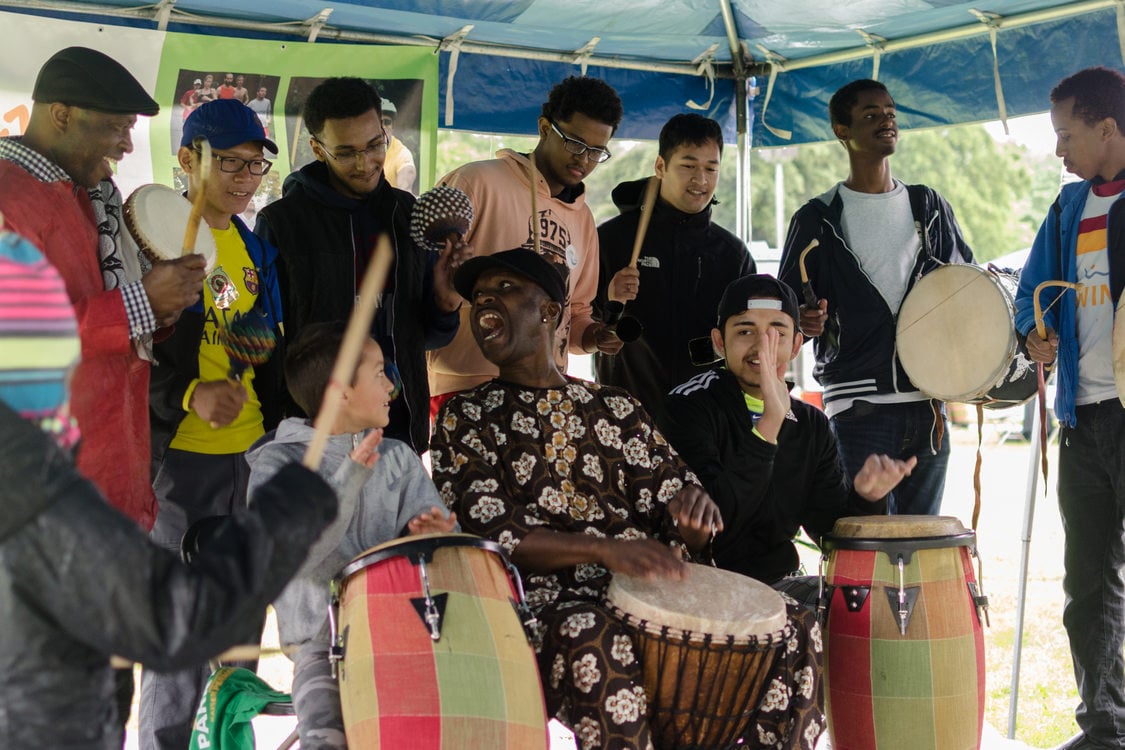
x=430, y=608
x=980, y=600
x=335, y=639
x=902, y=601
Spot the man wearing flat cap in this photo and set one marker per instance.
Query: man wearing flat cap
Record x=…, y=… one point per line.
x=56, y=190
x=770, y=462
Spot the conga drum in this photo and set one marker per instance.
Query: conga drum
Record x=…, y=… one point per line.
x=904, y=650
x=433, y=653
x=157, y=217
x=956, y=337
x=706, y=644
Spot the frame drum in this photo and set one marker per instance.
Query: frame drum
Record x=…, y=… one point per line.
x=956, y=337
x=156, y=217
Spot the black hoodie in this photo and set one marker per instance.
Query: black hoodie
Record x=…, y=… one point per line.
x=314, y=228
x=685, y=264
x=80, y=581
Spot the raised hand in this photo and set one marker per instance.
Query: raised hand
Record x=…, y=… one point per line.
x=696, y=516
x=880, y=474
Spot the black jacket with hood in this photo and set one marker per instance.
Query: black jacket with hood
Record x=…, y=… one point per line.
x=856, y=354
x=79, y=581
x=685, y=264
x=314, y=226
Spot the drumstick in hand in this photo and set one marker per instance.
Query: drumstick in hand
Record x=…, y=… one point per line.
x=1040, y=328
x=356, y=333
x=652, y=189
x=533, y=175
x=196, y=215
x=806, y=288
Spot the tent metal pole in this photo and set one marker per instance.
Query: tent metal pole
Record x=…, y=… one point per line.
x=1025, y=554
x=301, y=28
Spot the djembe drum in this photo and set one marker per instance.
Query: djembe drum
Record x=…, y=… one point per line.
x=904, y=650
x=433, y=653
x=706, y=644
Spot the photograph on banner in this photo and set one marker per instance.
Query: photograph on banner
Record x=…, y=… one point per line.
x=402, y=120
x=193, y=88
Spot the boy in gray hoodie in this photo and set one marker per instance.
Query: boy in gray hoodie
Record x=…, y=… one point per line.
x=384, y=493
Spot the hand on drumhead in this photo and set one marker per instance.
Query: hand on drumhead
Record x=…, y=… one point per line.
x=453, y=254
x=432, y=521
x=218, y=402
x=814, y=318
x=881, y=474
x=366, y=453
x=696, y=516
x=1040, y=350
x=642, y=558
x=172, y=285
x=624, y=285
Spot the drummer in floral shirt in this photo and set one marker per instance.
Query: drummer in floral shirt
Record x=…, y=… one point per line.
x=575, y=483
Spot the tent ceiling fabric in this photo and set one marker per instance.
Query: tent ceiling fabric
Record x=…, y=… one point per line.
x=935, y=55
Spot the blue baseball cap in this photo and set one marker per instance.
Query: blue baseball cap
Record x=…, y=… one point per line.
x=225, y=123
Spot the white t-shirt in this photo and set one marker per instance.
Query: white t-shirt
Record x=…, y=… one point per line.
x=879, y=228
x=1095, y=301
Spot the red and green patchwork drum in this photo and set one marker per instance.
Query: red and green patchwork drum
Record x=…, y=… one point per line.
x=435, y=656
x=904, y=649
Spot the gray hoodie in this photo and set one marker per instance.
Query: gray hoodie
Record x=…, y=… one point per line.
x=375, y=506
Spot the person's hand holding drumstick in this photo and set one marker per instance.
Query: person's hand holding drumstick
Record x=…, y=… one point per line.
x=1042, y=350
x=218, y=402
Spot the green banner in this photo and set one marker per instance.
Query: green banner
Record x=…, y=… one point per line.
x=274, y=78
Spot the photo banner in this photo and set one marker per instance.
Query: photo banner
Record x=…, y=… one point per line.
x=276, y=76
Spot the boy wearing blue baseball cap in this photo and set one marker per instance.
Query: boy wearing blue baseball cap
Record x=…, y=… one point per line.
x=203, y=416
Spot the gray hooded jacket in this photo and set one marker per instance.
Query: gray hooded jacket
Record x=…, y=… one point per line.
x=375, y=506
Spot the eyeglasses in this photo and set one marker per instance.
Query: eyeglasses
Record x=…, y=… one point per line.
x=234, y=165
x=354, y=156
x=577, y=147
x=388, y=122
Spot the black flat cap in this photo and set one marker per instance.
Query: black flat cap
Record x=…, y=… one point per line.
x=82, y=77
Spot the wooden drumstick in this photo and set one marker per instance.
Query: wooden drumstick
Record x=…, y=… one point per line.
x=356, y=333
x=652, y=189
x=1040, y=328
x=243, y=652
x=533, y=175
x=196, y=215
x=806, y=288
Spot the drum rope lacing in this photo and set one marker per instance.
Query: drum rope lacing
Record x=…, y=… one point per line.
x=723, y=675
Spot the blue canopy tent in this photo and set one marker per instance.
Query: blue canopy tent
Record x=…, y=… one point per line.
x=763, y=68
x=738, y=61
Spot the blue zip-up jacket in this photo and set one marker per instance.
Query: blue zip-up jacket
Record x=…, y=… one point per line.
x=176, y=358
x=1053, y=256
x=857, y=354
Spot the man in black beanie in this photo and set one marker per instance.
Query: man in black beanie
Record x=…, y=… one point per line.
x=56, y=190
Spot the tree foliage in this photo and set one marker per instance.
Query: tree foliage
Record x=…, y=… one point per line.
x=999, y=192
